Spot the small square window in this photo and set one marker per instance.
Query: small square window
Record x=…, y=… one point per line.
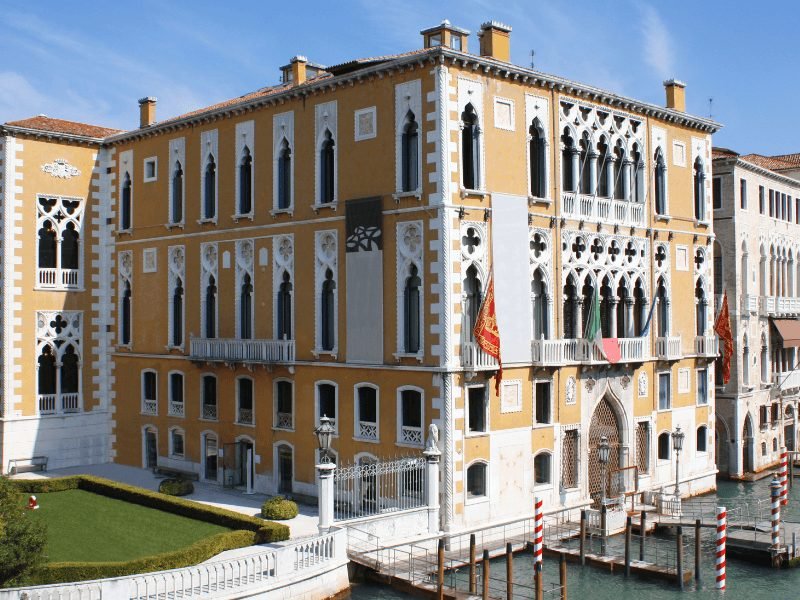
x=150, y=169
x=476, y=397
x=664, y=392
x=365, y=124
x=702, y=386
x=455, y=42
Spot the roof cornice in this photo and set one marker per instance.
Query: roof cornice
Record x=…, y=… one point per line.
x=51, y=135
x=737, y=161
x=438, y=54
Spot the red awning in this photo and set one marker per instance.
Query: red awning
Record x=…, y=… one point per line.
x=789, y=330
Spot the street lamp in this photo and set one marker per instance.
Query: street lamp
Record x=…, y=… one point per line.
x=677, y=445
x=324, y=433
x=603, y=453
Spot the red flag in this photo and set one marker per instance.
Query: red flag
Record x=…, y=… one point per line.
x=722, y=327
x=612, y=350
x=486, y=332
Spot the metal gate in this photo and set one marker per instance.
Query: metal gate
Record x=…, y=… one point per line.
x=604, y=423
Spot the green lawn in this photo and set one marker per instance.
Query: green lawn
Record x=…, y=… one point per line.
x=82, y=526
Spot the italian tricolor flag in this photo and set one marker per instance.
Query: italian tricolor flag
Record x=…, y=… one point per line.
x=608, y=347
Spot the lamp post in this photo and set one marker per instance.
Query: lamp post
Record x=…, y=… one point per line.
x=325, y=469
x=677, y=445
x=603, y=453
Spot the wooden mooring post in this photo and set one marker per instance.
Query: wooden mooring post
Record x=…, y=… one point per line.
x=473, y=575
x=509, y=571
x=628, y=525
x=643, y=532
x=562, y=573
x=698, y=528
x=440, y=570
x=583, y=537
x=485, y=575
x=679, y=555
x=538, y=579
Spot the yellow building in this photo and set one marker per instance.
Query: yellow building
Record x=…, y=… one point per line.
x=321, y=247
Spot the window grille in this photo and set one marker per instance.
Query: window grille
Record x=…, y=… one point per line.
x=569, y=459
x=643, y=447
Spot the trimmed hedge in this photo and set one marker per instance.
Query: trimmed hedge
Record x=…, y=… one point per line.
x=176, y=487
x=248, y=530
x=279, y=508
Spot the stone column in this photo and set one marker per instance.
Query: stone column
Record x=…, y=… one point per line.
x=576, y=169
x=612, y=318
x=629, y=318
x=626, y=179
x=610, y=175
x=593, y=173
x=325, y=498
x=432, y=455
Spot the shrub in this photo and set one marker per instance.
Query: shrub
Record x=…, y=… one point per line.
x=279, y=508
x=22, y=540
x=176, y=487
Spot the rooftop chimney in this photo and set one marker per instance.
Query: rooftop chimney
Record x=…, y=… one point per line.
x=147, y=111
x=446, y=34
x=298, y=66
x=495, y=39
x=676, y=94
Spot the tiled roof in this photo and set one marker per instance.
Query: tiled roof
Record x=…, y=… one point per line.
x=717, y=152
x=793, y=160
x=47, y=124
x=767, y=162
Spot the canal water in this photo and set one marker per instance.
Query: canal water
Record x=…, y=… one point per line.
x=746, y=581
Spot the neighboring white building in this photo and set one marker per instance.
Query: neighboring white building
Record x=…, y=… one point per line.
x=757, y=222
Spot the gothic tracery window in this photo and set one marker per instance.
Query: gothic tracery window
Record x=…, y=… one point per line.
x=59, y=243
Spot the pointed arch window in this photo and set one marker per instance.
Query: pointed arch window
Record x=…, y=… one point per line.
x=701, y=307
x=663, y=308
x=246, y=308
x=70, y=379
x=284, y=175
x=176, y=209
x=125, y=315
x=177, y=314
x=660, y=183
x=58, y=242
x=638, y=176
x=410, y=153
x=210, y=188
x=585, y=172
x=47, y=380
x=47, y=246
x=246, y=183
x=540, y=306
x=58, y=381
x=699, y=190
x=69, y=247
x=284, y=308
x=327, y=172
x=470, y=148
x=745, y=362
x=536, y=160
x=125, y=203
x=210, y=314
x=328, y=312
x=571, y=309
x=473, y=295
x=411, y=316
x=619, y=166
x=568, y=175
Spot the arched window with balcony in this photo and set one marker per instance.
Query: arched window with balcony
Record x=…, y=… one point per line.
x=47, y=246
x=70, y=378
x=70, y=244
x=125, y=203
x=660, y=176
x=605, y=169
x=587, y=300
x=176, y=209
x=619, y=166
x=210, y=188
x=638, y=175
x=663, y=308
x=284, y=175
x=245, y=183
x=284, y=307
x=246, y=308
x=571, y=308
x=125, y=315
x=568, y=150
x=639, y=308
x=624, y=306
x=327, y=171
x=607, y=308
x=46, y=375
x=699, y=190
x=210, y=315
x=409, y=147
x=540, y=304
x=537, y=164
x=470, y=148
x=328, y=312
x=701, y=307
x=585, y=149
x=411, y=311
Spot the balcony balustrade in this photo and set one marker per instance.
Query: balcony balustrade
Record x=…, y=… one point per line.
x=750, y=304
x=604, y=210
x=570, y=351
x=669, y=347
x=367, y=430
x=474, y=358
x=54, y=278
x=411, y=435
x=284, y=421
x=64, y=403
x=773, y=306
x=176, y=409
x=245, y=416
x=234, y=350
x=210, y=412
x=786, y=381
x=706, y=345
x=150, y=407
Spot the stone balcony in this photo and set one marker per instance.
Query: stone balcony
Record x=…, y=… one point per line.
x=602, y=210
x=771, y=306
x=786, y=381
x=475, y=359
x=750, y=304
x=234, y=350
x=579, y=351
x=706, y=345
x=668, y=348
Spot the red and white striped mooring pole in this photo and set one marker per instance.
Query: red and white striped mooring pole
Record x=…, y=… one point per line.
x=538, y=533
x=784, y=476
x=775, y=489
x=722, y=538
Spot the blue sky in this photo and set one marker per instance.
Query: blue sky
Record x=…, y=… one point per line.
x=91, y=61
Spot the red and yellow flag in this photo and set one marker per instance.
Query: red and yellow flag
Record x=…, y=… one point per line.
x=722, y=327
x=486, y=332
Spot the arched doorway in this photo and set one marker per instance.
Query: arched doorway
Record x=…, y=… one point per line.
x=150, y=448
x=285, y=469
x=788, y=428
x=721, y=441
x=604, y=423
x=747, y=445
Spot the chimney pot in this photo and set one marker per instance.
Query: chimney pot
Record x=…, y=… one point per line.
x=495, y=40
x=676, y=94
x=147, y=111
x=298, y=66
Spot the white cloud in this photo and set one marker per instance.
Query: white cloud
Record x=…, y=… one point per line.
x=18, y=94
x=658, y=52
